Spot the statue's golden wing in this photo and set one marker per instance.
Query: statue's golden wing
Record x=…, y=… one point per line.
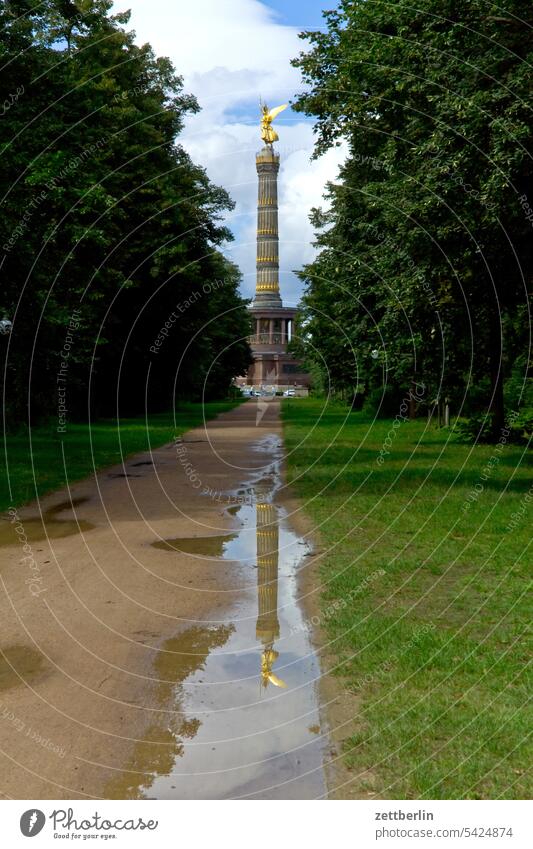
x=276, y=681
x=267, y=659
x=275, y=112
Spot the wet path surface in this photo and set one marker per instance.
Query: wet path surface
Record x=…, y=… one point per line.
x=151, y=640
x=49, y=525
x=243, y=719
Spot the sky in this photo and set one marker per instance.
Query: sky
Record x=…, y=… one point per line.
x=231, y=53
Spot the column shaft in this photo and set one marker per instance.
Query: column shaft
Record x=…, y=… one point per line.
x=267, y=286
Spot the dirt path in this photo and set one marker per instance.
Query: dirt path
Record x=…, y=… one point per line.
x=85, y=614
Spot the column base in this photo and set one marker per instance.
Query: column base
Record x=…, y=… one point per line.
x=267, y=300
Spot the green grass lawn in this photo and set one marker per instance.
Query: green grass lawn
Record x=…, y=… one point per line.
x=43, y=460
x=424, y=598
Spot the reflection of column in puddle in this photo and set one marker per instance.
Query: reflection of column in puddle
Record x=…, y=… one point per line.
x=267, y=630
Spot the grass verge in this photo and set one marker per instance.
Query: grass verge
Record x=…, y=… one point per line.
x=34, y=463
x=423, y=603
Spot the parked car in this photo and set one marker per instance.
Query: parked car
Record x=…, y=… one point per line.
x=290, y=393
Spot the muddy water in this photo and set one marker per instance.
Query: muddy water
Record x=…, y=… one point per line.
x=244, y=719
x=203, y=546
x=18, y=665
x=47, y=525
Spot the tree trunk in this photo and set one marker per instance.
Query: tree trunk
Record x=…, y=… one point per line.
x=412, y=402
x=497, y=406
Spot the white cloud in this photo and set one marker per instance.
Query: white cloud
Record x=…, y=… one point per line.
x=231, y=52
x=206, y=34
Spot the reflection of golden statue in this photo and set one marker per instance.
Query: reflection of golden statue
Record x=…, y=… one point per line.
x=267, y=585
x=268, y=134
x=267, y=661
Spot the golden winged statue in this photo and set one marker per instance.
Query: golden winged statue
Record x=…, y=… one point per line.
x=268, y=134
x=267, y=661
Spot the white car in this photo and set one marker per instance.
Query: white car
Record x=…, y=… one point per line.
x=290, y=393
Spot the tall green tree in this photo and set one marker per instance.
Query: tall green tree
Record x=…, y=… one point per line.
x=426, y=255
x=108, y=226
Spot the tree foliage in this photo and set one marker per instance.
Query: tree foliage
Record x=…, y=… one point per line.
x=425, y=258
x=108, y=228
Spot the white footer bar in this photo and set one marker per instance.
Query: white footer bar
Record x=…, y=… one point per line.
x=263, y=825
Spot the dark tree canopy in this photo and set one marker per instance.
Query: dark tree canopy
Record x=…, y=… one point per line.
x=108, y=229
x=426, y=252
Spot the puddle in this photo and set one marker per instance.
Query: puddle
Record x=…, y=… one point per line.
x=156, y=754
x=25, y=661
x=239, y=705
x=206, y=546
x=46, y=525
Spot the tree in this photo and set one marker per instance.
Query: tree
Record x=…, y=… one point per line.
x=426, y=255
x=108, y=226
